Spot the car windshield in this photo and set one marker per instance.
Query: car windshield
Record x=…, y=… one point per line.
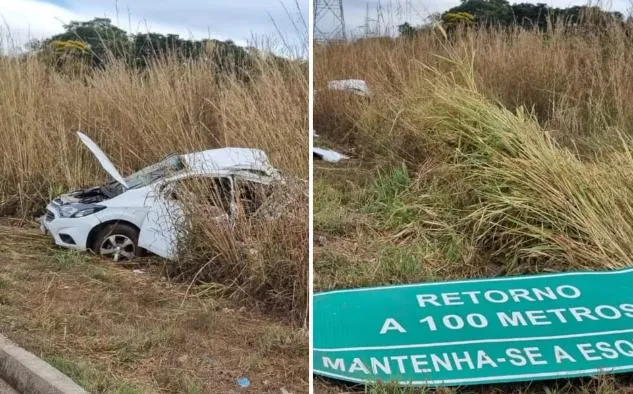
x=155, y=172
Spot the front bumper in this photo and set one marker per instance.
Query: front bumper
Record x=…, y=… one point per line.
x=67, y=232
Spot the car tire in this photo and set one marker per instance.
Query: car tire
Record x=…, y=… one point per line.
x=117, y=241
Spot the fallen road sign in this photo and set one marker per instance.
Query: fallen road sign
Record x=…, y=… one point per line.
x=519, y=328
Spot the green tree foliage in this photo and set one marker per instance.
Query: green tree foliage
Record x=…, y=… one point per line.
x=454, y=19
x=527, y=15
x=485, y=11
x=100, y=35
x=406, y=30
x=501, y=12
x=98, y=41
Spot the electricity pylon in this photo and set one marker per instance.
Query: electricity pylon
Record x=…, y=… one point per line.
x=329, y=20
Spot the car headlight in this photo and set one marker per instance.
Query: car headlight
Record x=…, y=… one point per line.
x=79, y=210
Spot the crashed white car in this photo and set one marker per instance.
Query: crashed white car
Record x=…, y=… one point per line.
x=142, y=212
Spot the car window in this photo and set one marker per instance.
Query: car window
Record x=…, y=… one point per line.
x=251, y=194
x=155, y=172
x=195, y=192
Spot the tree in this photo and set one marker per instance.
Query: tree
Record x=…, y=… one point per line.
x=451, y=20
x=485, y=12
x=103, y=39
x=502, y=13
x=86, y=45
x=406, y=30
x=531, y=15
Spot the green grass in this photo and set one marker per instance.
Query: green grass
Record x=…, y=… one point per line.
x=406, y=263
x=389, y=198
x=330, y=214
x=391, y=388
x=190, y=385
x=77, y=261
x=90, y=378
x=500, y=196
x=401, y=264
x=134, y=345
x=506, y=173
x=277, y=341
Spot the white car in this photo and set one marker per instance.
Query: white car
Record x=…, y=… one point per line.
x=142, y=212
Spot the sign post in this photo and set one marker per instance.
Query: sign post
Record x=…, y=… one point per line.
x=485, y=331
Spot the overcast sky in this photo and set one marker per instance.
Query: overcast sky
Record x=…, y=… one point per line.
x=395, y=12
x=238, y=20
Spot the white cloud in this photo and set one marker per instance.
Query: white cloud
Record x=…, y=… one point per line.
x=27, y=19
x=238, y=20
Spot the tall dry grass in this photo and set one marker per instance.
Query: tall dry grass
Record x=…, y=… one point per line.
x=518, y=141
x=138, y=117
x=580, y=85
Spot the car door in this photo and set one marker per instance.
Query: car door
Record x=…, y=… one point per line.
x=167, y=224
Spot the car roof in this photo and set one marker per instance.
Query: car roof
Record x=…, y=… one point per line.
x=220, y=160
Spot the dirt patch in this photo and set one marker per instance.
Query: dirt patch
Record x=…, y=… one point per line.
x=116, y=331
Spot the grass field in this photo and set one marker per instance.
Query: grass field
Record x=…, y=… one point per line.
x=116, y=331
x=112, y=330
x=488, y=153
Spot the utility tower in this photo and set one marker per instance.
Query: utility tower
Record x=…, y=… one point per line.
x=329, y=20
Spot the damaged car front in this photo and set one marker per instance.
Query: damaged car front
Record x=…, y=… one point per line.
x=132, y=215
x=106, y=219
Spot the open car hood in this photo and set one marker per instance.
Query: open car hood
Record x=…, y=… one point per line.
x=103, y=159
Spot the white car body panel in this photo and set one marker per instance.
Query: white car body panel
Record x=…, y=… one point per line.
x=210, y=161
x=356, y=86
x=103, y=159
x=160, y=220
x=77, y=230
x=328, y=154
x=162, y=228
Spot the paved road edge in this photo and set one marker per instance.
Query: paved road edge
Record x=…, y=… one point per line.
x=30, y=374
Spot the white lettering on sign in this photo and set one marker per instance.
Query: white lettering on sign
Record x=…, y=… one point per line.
x=384, y=366
x=478, y=331
x=535, y=357
x=528, y=318
x=498, y=296
x=568, y=291
x=586, y=350
x=561, y=355
x=451, y=299
x=477, y=359
x=392, y=324
x=484, y=360
x=358, y=366
x=564, y=315
x=515, y=320
x=537, y=318
x=420, y=361
x=430, y=298
x=338, y=364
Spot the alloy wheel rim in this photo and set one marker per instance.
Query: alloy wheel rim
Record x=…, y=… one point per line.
x=117, y=246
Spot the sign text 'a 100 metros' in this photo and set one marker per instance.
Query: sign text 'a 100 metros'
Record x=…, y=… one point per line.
x=477, y=331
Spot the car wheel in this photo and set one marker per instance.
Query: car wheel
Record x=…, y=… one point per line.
x=118, y=242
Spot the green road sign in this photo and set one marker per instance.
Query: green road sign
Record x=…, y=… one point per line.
x=477, y=331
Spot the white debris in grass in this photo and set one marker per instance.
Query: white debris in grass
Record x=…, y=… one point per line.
x=328, y=155
x=356, y=86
